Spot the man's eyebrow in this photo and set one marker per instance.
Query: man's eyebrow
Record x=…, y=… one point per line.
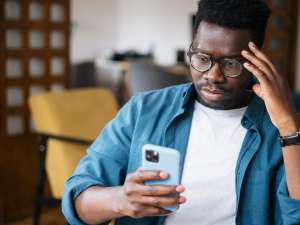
x=234, y=55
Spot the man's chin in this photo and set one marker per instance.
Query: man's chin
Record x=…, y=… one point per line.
x=213, y=105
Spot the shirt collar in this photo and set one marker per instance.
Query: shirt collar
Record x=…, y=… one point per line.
x=254, y=113
x=188, y=95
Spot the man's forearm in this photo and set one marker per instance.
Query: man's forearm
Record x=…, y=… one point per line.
x=291, y=156
x=133, y=199
x=96, y=204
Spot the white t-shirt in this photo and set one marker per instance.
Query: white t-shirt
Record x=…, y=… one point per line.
x=214, y=144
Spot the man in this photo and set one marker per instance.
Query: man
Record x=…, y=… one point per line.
x=226, y=125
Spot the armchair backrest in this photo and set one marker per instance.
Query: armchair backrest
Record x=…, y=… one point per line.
x=80, y=114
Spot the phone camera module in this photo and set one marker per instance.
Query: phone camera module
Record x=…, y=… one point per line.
x=152, y=156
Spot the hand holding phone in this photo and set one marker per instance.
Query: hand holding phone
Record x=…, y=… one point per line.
x=159, y=158
x=137, y=200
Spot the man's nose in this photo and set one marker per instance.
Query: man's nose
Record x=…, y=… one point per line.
x=215, y=74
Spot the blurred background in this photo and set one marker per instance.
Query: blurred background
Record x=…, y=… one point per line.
x=67, y=66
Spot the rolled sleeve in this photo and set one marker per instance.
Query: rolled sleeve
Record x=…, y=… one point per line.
x=105, y=163
x=290, y=208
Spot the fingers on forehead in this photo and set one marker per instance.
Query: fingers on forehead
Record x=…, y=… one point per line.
x=258, y=53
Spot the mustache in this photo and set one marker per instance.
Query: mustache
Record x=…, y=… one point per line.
x=211, y=86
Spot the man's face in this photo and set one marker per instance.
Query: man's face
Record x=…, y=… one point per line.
x=213, y=88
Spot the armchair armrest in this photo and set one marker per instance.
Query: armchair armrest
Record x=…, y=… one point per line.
x=63, y=138
x=43, y=139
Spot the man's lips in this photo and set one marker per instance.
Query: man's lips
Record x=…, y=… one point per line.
x=212, y=95
x=213, y=91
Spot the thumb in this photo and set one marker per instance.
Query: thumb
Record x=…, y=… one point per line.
x=257, y=90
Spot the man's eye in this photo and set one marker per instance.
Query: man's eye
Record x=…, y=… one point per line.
x=203, y=59
x=232, y=63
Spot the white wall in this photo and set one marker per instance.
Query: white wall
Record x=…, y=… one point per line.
x=101, y=26
x=160, y=25
x=93, y=28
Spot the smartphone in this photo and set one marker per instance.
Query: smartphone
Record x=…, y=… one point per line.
x=164, y=159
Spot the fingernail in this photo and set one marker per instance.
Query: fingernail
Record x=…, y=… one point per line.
x=180, y=188
x=163, y=175
x=245, y=52
x=251, y=44
x=247, y=64
x=182, y=199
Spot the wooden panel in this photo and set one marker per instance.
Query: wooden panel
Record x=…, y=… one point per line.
x=281, y=37
x=2, y=160
x=19, y=149
x=1, y=79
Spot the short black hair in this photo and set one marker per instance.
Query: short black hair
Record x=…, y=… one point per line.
x=235, y=14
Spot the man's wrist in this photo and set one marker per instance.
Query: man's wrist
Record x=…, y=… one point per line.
x=289, y=128
x=290, y=134
x=117, y=208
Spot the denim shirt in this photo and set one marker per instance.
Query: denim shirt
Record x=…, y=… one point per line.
x=164, y=118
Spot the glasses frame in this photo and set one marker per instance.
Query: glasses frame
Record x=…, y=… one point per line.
x=213, y=60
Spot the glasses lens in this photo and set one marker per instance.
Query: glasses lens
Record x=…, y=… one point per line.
x=201, y=62
x=231, y=67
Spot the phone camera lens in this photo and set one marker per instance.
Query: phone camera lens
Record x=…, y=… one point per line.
x=152, y=156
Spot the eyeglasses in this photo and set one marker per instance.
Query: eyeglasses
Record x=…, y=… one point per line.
x=230, y=67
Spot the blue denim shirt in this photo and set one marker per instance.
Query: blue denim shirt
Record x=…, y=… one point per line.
x=164, y=118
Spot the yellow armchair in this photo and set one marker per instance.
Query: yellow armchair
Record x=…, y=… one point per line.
x=66, y=123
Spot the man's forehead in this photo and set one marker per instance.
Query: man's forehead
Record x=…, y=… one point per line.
x=220, y=41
